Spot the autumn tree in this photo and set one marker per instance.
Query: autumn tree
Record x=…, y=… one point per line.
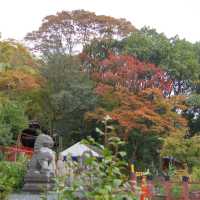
x=17, y=83
x=147, y=112
x=143, y=120
x=69, y=30
x=19, y=75
x=134, y=94
x=137, y=85
x=127, y=72
x=19, y=80
x=14, y=54
x=98, y=50
x=18, y=69
x=179, y=58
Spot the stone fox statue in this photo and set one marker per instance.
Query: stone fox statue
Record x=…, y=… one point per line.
x=41, y=169
x=43, y=160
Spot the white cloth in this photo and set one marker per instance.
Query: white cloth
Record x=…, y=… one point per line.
x=61, y=169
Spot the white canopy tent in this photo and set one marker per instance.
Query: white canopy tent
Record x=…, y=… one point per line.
x=78, y=149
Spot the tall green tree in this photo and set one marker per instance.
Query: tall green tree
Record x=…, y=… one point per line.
x=12, y=121
x=148, y=45
x=186, y=150
x=193, y=114
x=68, y=95
x=178, y=57
x=144, y=150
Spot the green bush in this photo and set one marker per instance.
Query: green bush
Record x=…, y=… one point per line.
x=105, y=179
x=102, y=180
x=12, y=121
x=12, y=174
x=176, y=191
x=194, y=187
x=195, y=173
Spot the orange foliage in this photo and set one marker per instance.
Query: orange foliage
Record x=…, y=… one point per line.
x=18, y=80
x=148, y=111
x=15, y=54
x=134, y=95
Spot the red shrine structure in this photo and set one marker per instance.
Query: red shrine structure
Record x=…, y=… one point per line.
x=24, y=144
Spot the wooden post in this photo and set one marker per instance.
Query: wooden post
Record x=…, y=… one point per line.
x=150, y=187
x=185, y=188
x=144, y=190
x=167, y=186
x=133, y=178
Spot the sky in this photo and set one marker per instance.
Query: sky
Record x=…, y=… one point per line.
x=172, y=17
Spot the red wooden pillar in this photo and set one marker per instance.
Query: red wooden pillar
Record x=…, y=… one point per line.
x=185, y=188
x=150, y=187
x=133, y=179
x=144, y=189
x=167, y=187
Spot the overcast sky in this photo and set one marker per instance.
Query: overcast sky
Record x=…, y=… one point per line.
x=182, y=17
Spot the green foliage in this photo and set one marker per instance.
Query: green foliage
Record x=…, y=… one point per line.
x=6, y=137
x=60, y=102
x=183, y=58
x=192, y=114
x=171, y=170
x=12, y=121
x=178, y=57
x=193, y=100
x=185, y=150
x=12, y=174
x=101, y=179
x=194, y=187
x=13, y=54
x=98, y=50
x=67, y=96
x=144, y=150
x=104, y=179
x=195, y=173
x=148, y=45
x=176, y=191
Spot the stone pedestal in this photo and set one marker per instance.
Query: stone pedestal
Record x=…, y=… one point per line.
x=38, y=183
x=32, y=196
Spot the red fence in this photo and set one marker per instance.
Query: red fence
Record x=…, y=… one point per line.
x=11, y=153
x=171, y=190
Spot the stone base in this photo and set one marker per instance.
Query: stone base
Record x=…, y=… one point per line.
x=31, y=196
x=37, y=187
x=38, y=183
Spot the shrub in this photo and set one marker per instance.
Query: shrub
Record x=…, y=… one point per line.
x=195, y=175
x=12, y=174
x=100, y=179
x=12, y=121
x=176, y=191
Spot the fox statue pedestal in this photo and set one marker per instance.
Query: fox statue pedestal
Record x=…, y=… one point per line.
x=38, y=183
x=41, y=170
